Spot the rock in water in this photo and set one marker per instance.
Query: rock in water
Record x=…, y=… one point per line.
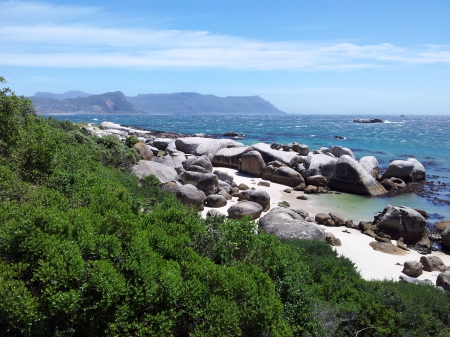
x=370, y=164
x=399, y=169
x=401, y=221
x=351, y=177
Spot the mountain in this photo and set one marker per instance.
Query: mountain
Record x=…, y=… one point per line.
x=60, y=97
x=110, y=102
x=194, y=103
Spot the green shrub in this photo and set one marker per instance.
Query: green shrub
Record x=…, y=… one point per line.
x=151, y=180
x=130, y=141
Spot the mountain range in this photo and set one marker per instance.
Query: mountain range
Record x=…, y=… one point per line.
x=177, y=103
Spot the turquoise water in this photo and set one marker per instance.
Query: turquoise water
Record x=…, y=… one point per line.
x=426, y=138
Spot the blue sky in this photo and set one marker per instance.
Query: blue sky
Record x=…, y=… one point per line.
x=304, y=56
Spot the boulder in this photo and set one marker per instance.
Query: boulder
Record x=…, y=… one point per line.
x=322, y=164
x=244, y=208
x=268, y=171
x=252, y=163
x=212, y=213
x=287, y=176
x=393, y=183
x=418, y=172
x=301, y=149
x=175, y=161
x=349, y=176
x=206, y=182
x=446, y=238
x=412, y=268
x=407, y=279
x=270, y=154
x=441, y=226
x=387, y=248
x=264, y=183
x=317, y=180
x=200, y=146
x=215, y=200
x=224, y=176
x=229, y=157
x=338, y=219
x=288, y=147
x=321, y=218
x=243, y=187
x=145, y=168
x=339, y=151
x=276, y=146
x=224, y=186
x=187, y=194
x=370, y=164
x=311, y=189
x=163, y=143
x=287, y=224
x=443, y=280
x=225, y=194
x=192, y=163
x=259, y=196
x=304, y=214
x=399, y=169
x=432, y=263
x=332, y=240
x=401, y=221
x=144, y=150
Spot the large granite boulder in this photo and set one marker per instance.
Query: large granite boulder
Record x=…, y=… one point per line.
x=187, y=194
x=401, y=221
x=163, y=143
x=286, y=176
x=317, y=180
x=193, y=163
x=259, y=196
x=301, y=149
x=270, y=154
x=443, y=280
x=206, y=182
x=349, y=176
x=288, y=224
x=399, y=169
x=215, y=200
x=445, y=235
x=200, y=146
x=370, y=164
x=322, y=164
x=244, y=208
x=387, y=248
x=229, y=157
x=145, y=168
x=252, y=163
x=432, y=263
x=412, y=268
x=418, y=172
x=144, y=150
x=224, y=176
x=339, y=151
x=175, y=161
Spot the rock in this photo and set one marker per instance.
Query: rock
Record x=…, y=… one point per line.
x=175, y=161
x=310, y=189
x=187, y=194
x=370, y=164
x=243, y=187
x=418, y=172
x=259, y=196
x=145, y=168
x=399, y=169
x=368, y=120
x=349, y=176
x=213, y=213
x=270, y=154
x=381, y=239
x=338, y=219
x=232, y=134
x=287, y=147
x=401, y=221
x=400, y=244
x=339, y=151
x=432, y=263
x=202, y=161
x=243, y=208
x=387, y=248
x=423, y=246
x=364, y=225
x=301, y=149
x=224, y=176
x=287, y=224
x=229, y=157
x=321, y=218
x=329, y=223
x=412, y=280
x=322, y=165
x=276, y=146
x=252, y=163
x=144, y=150
x=163, y=143
x=206, y=182
x=300, y=187
x=446, y=237
x=224, y=186
x=443, y=280
x=370, y=233
x=349, y=223
x=225, y=194
x=422, y=213
x=412, y=268
x=317, y=180
x=304, y=214
x=283, y=204
x=204, y=146
x=332, y=240
x=264, y=183
x=287, y=176
x=287, y=190
x=393, y=183
x=302, y=197
x=215, y=200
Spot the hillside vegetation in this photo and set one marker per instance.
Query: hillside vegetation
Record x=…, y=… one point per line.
x=86, y=251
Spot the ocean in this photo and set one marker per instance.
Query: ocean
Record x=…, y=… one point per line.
x=426, y=138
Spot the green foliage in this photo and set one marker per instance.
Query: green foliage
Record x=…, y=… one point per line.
x=130, y=141
x=151, y=180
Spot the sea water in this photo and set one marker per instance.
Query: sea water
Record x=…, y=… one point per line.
x=426, y=138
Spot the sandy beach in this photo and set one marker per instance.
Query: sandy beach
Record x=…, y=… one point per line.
x=370, y=263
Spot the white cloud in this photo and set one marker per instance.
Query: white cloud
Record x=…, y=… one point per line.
x=30, y=36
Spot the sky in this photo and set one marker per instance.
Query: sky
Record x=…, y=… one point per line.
x=360, y=57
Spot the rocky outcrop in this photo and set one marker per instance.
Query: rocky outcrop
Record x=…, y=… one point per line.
x=187, y=194
x=339, y=151
x=145, y=168
x=322, y=164
x=144, y=150
x=368, y=120
x=206, y=182
x=215, y=200
x=301, y=149
x=401, y=221
x=399, y=169
x=244, y=208
x=370, y=164
x=286, y=176
x=224, y=176
x=349, y=176
x=418, y=173
x=229, y=157
x=259, y=196
x=252, y=163
x=270, y=154
x=200, y=164
x=287, y=224
x=200, y=146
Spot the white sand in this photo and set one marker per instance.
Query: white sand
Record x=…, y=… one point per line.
x=355, y=245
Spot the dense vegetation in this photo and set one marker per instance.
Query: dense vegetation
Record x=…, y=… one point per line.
x=86, y=251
